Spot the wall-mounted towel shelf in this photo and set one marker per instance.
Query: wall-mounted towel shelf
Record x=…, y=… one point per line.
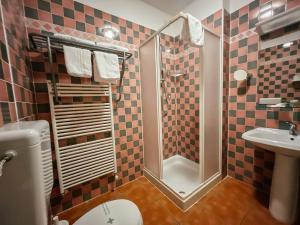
x=42, y=43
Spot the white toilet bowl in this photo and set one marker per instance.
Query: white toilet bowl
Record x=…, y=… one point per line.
x=116, y=212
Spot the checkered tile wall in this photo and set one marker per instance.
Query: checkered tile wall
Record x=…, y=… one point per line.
x=277, y=67
x=73, y=18
x=188, y=97
x=214, y=22
x=181, y=100
x=168, y=91
x=245, y=161
x=16, y=96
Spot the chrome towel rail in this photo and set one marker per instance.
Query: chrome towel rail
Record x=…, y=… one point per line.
x=43, y=42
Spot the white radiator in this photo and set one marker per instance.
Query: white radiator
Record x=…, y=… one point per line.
x=82, y=162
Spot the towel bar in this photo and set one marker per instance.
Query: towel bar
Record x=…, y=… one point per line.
x=42, y=42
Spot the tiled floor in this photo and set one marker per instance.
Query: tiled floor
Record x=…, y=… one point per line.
x=229, y=203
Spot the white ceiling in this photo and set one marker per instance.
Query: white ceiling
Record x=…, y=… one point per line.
x=172, y=7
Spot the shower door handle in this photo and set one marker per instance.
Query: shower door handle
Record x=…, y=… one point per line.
x=6, y=157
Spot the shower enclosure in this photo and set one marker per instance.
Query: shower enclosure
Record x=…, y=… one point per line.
x=182, y=112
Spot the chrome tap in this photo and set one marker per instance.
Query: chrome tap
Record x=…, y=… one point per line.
x=292, y=129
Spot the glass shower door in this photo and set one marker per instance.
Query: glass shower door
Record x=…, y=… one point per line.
x=180, y=93
x=151, y=103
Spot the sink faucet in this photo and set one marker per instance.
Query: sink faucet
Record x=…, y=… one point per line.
x=293, y=128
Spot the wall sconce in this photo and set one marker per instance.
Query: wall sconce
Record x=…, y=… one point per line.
x=109, y=31
x=240, y=75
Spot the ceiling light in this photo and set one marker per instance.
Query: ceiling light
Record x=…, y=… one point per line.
x=109, y=32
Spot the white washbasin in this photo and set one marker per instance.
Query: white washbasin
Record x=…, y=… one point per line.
x=275, y=140
x=285, y=181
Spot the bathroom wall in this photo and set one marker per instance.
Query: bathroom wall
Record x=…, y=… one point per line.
x=188, y=100
x=17, y=94
x=73, y=18
x=277, y=66
x=169, y=123
x=246, y=162
x=181, y=110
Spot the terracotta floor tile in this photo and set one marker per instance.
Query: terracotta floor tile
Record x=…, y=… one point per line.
x=172, y=209
x=260, y=216
x=157, y=214
x=141, y=194
x=231, y=211
x=201, y=216
x=231, y=202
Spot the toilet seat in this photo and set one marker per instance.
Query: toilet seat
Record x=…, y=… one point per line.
x=116, y=212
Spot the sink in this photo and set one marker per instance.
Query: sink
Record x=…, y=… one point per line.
x=285, y=182
x=275, y=140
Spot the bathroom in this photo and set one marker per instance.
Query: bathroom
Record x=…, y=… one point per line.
x=175, y=112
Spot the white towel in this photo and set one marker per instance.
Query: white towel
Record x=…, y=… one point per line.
x=192, y=31
x=78, y=61
x=106, y=67
x=112, y=46
x=71, y=38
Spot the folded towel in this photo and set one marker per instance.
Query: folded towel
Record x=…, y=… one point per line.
x=192, y=31
x=62, y=36
x=112, y=46
x=75, y=39
x=78, y=61
x=106, y=67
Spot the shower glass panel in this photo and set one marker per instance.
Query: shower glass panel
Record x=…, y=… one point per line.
x=180, y=94
x=182, y=111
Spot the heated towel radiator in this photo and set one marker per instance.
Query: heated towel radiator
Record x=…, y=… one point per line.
x=81, y=162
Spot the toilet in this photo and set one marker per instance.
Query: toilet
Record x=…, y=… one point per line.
x=116, y=212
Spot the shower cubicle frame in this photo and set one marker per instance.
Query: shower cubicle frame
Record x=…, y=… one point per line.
x=156, y=176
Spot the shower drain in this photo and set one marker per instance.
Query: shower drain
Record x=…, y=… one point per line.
x=181, y=192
